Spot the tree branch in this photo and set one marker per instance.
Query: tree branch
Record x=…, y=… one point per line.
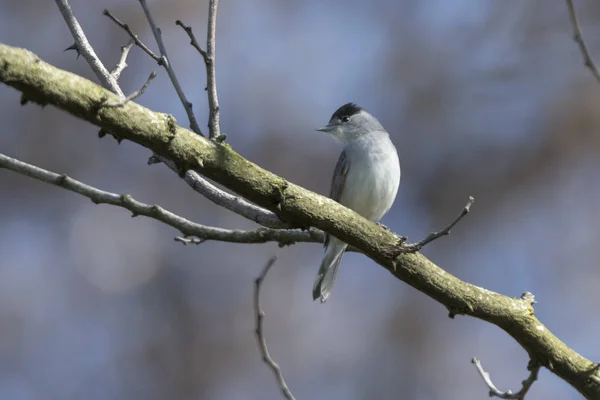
x=84, y=48
x=44, y=84
x=534, y=369
x=185, y=226
x=411, y=248
x=193, y=41
x=213, y=99
x=162, y=60
x=116, y=72
x=229, y=201
x=260, y=335
x=193, y=179
x=133, y=95
x=135, y=38
x=578, y=37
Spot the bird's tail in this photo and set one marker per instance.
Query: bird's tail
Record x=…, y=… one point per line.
x=329, y=268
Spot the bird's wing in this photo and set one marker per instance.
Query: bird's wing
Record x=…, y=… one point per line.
x=339, y=179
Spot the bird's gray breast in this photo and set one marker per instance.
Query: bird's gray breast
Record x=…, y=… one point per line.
x=373, y=177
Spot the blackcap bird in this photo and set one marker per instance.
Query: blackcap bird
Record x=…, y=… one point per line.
x=365, y=179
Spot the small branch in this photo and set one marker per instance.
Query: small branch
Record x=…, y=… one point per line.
x=133, y=95
x=234, y=203
x=534, y=369
x=262, y=341
x=162, y=60
x=578, y=37
x=411, y=248
x=213, y=99
x=134, y=37
x=187, y=105
x=84, y=48
x=116, y=72
x=193, y=41
x=185, y=226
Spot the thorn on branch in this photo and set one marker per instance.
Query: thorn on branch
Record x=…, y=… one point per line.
x=103, y=132
x=262, y=341
x=533, y=367
x=413, y=248
x=74, y=47
x=132, y=96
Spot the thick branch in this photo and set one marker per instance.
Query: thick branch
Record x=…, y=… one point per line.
x=45, y=84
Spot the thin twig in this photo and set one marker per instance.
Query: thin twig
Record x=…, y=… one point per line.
x=234, y=203
x=84, y=48
x=260, y=335
x=534, y=369
x=122, y=64
x=187, y=105
x=193, y=41
x=213, y=99
x=185, y=226
x=578, y=37
x=134, y=37
x=162, y=60
x=133, y=95
x=411, y=248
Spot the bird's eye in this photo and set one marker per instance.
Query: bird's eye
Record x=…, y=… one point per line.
x=345, y=118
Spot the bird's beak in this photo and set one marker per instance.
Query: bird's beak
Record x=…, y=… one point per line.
x=327, y=128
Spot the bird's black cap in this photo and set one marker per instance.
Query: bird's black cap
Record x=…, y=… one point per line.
x=347, y=110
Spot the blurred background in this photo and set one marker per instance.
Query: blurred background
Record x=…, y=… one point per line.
x=487, y=98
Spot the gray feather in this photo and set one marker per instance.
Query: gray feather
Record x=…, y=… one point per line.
x=329, y=269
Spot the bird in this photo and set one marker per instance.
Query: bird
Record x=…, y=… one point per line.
x=365, y=179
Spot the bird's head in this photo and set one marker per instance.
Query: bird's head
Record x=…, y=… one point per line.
x=350, y=122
